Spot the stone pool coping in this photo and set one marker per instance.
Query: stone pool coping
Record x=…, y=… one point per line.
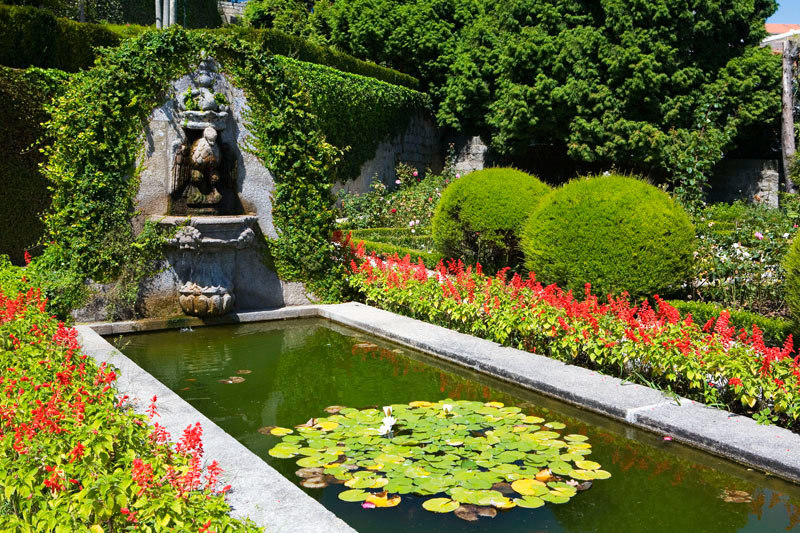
x=271, y=500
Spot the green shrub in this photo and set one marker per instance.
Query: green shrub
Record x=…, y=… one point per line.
x=401, y=241
x=617, y=233
x=23, y=190
x=791, y=265
x=738, y=261
x=479, y=216
x=281, y=43
x=775, y=330
x=34, y=37
x=410, y=206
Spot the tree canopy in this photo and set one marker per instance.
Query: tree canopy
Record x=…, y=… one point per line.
x=660, y=86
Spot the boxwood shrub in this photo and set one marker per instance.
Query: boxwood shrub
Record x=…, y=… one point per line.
x=617, y=233
x=479, y=216
x=791, y=265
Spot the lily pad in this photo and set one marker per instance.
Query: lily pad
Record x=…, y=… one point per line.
x=354, y=495
x=440, y=505
x=529, y=502
x=280, y=432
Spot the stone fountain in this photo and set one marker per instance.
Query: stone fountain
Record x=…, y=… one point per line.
x=199, y=181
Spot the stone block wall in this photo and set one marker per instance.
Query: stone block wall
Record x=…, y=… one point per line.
x=231, y=12
x=419, y=146
x=754, y=180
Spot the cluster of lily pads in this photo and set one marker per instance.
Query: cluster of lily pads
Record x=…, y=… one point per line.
x=481, y=456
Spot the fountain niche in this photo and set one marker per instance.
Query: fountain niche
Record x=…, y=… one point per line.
x=197, y=180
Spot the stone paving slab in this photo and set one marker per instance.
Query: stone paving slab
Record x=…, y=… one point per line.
x=259, y=491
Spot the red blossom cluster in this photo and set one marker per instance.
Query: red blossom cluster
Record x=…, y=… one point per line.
x=72, y=452
x=712, y=362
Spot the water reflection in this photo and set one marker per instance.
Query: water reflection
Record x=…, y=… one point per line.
x=300, y=367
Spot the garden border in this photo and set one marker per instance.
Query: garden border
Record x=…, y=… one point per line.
x=734, y=437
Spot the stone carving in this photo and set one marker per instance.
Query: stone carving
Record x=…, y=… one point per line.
x=205, y=302
x=204, y=169
x=191, y=238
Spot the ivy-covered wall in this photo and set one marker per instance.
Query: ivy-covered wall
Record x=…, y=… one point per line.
x=23, y=190
x=94, y=129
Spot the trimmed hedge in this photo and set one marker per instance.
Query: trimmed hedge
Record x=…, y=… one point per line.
x=24, y=195
x=775, y=330
x=31, y=37
x=356, y=111
x=295, y=47
x=617, y=233
x=389, y=241
x=35, y=37
x=479, y=216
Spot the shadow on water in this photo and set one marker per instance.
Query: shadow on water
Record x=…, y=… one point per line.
x=299, y=367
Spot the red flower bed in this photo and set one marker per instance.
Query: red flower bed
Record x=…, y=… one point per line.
x=74, y=457
x=709, y=362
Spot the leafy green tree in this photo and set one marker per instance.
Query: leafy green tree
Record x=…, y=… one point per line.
x=660, y=87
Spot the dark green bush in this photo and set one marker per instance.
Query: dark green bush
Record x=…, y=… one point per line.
x=480, y=215
x=23, y=190
x=775, y=330
x=356, y=111
x=615, y=232
x=34, y=37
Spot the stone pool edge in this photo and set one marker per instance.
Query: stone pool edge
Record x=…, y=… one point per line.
x=259, y=492
x=741, y=439
x=734, y=437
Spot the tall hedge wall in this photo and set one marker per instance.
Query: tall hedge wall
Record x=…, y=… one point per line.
x=23, y=190
x=191, y=13
x=356, y=111
x=295, y=47
x=31, y=37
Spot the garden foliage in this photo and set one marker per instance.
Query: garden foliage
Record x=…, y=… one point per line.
x=410, y=204
x=618, y=233
x=739, y=262
x=74, y=457
x=792, y=284
x=35, y=37
x=774, y=330
x=657, y=87
x=479, y=216
x=710, y=362
x=386, y=242
x=24, y=196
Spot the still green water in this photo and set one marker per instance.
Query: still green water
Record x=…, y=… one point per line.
x=300, y=367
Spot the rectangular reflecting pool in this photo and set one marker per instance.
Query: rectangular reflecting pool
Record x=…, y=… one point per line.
x=288, y=372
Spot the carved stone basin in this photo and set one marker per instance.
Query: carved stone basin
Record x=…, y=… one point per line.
x=205, y=260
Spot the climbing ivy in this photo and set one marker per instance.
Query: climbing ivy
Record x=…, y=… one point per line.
x=92, y=163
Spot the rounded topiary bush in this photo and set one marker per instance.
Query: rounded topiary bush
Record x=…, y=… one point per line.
x=791, y=264
x=617, y=233
x=480, y=215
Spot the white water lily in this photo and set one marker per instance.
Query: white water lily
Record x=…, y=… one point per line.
x=389, y=421
x=383, y=430
x=387, y=410
x=447, y=408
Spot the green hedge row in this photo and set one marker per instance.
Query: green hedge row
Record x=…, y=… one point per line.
x=389, y=241
x=23, y=94
x=33, y=37
x=775, y=329
x=356, y=111
x=297, y=48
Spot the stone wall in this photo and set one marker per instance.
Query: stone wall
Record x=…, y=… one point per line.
x=471, y=154
x=754, y=180
x=231, y=12
x=419, y=146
